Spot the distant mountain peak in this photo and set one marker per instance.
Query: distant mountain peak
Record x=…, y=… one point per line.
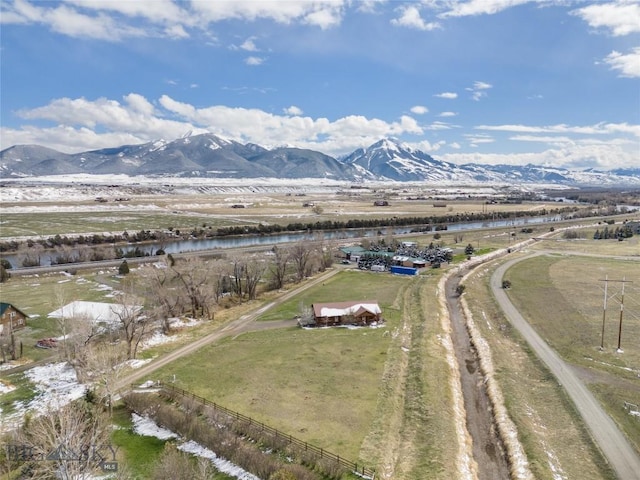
x=209, y=155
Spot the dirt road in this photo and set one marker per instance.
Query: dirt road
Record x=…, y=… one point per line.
x=613, y=444
x=243, y=324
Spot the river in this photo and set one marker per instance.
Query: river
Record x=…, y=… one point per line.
x=194, y=245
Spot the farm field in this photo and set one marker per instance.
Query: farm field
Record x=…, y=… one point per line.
x=67, y=211
x=570, y=319
x=376, y=395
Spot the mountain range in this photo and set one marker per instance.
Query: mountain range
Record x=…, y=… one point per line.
x=207, y=155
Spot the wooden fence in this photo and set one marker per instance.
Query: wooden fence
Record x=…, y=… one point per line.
x=360, y=470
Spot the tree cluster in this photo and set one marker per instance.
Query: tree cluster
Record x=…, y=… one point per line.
x=619, y=233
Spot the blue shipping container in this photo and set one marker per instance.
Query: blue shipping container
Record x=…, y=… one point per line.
x=404, y=270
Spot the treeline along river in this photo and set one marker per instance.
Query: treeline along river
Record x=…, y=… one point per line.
x=75, y=249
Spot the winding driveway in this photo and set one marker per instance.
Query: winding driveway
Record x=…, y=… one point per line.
x=613, y=444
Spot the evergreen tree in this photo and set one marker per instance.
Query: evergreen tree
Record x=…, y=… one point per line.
x=124, y=268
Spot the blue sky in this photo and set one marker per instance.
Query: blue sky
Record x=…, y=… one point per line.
x=488, y=81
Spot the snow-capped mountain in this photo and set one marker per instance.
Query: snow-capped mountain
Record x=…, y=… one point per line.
x=390, y=159
x=208, y=155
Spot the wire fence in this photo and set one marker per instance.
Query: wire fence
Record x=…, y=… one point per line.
x=358, y=469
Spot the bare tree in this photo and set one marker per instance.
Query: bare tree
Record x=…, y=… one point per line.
x=301, y=256
x=281, y=258
x=238, y=265
x=219, y=277
x=104, y=366
x=63, y=323
x=133, y=322
x=193, y=275
x=162, y=300
x=82, y=331
x=70, y=437
x=253, y=272
x=323, y=251
x=30, y=254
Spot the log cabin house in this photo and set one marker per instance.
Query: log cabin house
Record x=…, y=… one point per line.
x=11, y=318
x=346, y=313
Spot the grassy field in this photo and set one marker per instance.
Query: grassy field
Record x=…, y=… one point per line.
x=563, y=298
x=185, y=212
x=555, y=441
x=356, y=392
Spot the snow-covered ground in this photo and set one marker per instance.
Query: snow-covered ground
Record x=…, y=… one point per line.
x=54, y=385
x=146, y=426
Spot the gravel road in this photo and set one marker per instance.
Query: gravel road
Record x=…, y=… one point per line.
x=613, y=444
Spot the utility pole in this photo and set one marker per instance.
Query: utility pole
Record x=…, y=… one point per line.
x=604, y=310
x=621, y=310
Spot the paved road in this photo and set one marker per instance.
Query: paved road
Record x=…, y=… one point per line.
x=243, y=324
x=611, y=441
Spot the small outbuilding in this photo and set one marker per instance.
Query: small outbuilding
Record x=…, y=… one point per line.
x=346, y=313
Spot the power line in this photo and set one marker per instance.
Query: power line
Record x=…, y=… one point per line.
x=604, y=310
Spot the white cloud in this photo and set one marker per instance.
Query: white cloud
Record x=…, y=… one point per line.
x=410, y=18
x=249, y=45
x=419, y=110
x=439, y=126
x=604, y=156
x=447, y=114
x=89, y=124
x=478, y=90
x=176, y=31
x=597, y=129
x=69, y=21
x=116, y=20
x=621, y=17
x=326, y=17
x=481, y=7
x=254, y=61
x=322, y=13
x=447, y=95
x=627, y=65
x=293, y=110
x=476, y=139
x=455, y=145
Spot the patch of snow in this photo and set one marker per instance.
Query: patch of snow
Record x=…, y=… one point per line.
x=158, y=338
x=136, y=363
x=183, y=322
x=4, y=388
x=224, y=466
x=56, y=384
x=146, y=426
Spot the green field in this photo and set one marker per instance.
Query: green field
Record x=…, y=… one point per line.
x=553, y=436
x=563, y=298
x=355, y=392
